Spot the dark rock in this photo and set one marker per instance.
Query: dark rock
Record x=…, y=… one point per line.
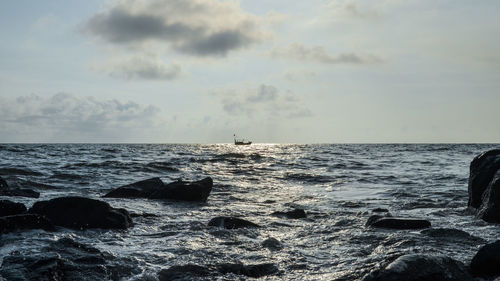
x=397, y=223
x=380, y=210
x=82, y=213
x=231, y=223
x=421, y=268
x=66, y=259
x=253, y=270
x=486, y=262
x=9, y=208
x=272, y=244
x=482, y=169
x=293, y=214
x=192, y=271
x=489, y=210
x=25, y=222
x=6, y=190
x=155, y=189
x=3, y=184
x=183, y=272
x=452, y=234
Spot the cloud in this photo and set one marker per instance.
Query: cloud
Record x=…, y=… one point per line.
x=194, y=27
x=351, y=9
x=265, y=100
x=318, y=54
x=143, y=68
x=66, y=117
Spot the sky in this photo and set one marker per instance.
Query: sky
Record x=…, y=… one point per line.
x=272, y=71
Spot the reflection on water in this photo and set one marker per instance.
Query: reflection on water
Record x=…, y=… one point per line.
x=337, y=185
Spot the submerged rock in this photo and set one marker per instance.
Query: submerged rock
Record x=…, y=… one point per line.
x=272, y=244
x=6, y=190
x=397, y=223
x=421, y=268
x=82, y=213
x=9, y=208
x=66, y=259
x=293, y=214
x=25, y=222
x=231, y=223
x=486, y=262
x=193, y=271
x=154, y=188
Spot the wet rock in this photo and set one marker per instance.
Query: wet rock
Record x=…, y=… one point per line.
x=24, y=222
x=421, y=268
x=272, y=244
x=154, y=188
x=380, y=210
x=82, y=213
x=486, y=262
x=253, y=270
x=6, y=190
x=451, y=234
x=397, y=223
x=489, y=210
x=293, y=214
x=231, y=223
x=66, y=259
x=183, y=272
x=482, y=170
x=9, y=208
x=193, y=271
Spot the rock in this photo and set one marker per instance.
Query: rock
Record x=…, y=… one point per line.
x=6, y=190
x=253, y=270
x=293, y=214
x=489, y=210
x=451, y=234
x=421, y=268
x=9, y=208
x=66, y=259
x=486, y=262
x=482, y=169
x=183, y=272
x=82, y=213
x=25, y=222
x=272, y=244
x=155, y=189
x=193, y=271
x=397, y=223
x=380, y=210
x=231, y=223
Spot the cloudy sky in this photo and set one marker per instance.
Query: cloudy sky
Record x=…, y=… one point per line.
x=197, y=71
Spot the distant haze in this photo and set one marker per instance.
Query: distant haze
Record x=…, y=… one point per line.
x=199, y=71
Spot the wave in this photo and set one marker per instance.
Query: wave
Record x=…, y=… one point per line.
x=310, y=178
x=19, y=172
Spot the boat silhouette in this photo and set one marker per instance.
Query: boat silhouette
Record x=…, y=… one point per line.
x=241, y=141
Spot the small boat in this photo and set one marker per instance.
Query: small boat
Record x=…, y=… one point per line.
x=241, y=141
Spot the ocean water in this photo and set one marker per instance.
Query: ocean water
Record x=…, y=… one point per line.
x=338, y=185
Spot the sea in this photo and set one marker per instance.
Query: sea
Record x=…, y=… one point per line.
x=338, y=185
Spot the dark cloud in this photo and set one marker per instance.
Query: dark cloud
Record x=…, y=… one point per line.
x=66, y=117
x=266, y=100
x=318, y=54
x=145, y=69
x=195, y=27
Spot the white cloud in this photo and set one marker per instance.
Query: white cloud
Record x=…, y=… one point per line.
x=66, y=117
x=318, y=54
x=264, y=101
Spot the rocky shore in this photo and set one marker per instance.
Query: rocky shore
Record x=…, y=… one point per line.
x=67, y=259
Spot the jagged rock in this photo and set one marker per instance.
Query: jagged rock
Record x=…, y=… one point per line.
x=25, y=222
x=6, y=190
x=397, y=223
x=486, y=262
x=482, y=170
x=231, y=223
x=82, y=213
x=154, y=188
x=66, y=259
x=293, y=214
x=9, y=208
x=421, y=268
